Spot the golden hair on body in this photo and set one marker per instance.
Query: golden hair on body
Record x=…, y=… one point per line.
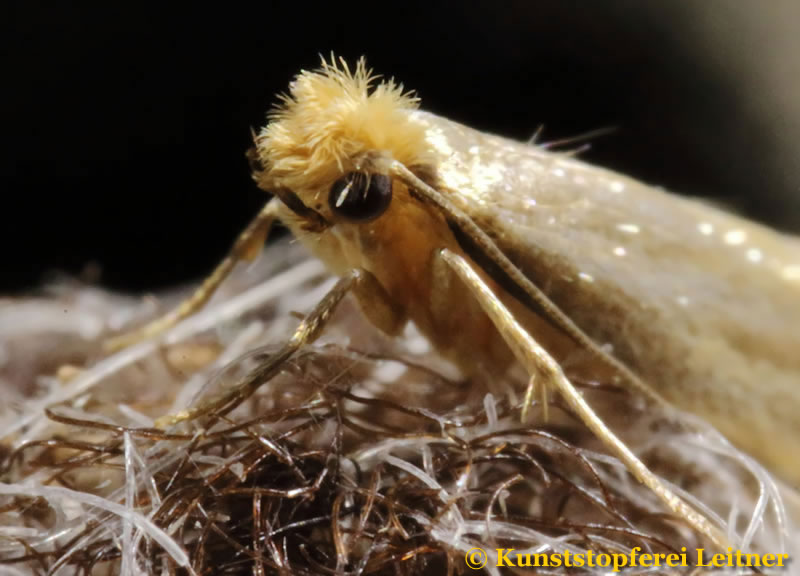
x=502, y=252
x=332, y=118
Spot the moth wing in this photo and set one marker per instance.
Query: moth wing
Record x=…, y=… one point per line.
x=702, y=304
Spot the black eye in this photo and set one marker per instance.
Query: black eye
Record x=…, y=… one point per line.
x=361, y=197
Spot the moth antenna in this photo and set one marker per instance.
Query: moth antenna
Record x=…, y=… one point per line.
x=506, y=272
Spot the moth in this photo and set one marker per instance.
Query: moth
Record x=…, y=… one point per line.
x=503, y=252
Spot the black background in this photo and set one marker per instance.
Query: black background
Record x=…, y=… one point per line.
x=127, y=123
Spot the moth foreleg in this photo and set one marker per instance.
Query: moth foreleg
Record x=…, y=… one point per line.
x=306, y=332
x=247, y=247
x=540, y=363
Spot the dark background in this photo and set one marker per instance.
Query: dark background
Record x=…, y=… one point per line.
x=127, y=124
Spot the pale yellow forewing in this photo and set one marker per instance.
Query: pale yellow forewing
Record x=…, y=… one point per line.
x=703, y=305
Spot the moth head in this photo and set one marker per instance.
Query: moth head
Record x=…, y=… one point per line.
x=329, y=142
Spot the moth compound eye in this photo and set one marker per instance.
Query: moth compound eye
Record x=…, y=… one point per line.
x=361, y=197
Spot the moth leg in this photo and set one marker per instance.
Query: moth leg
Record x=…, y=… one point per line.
x=247, y=247
x=380, y=310
x=530, y=390
x=307, y=332
x=537, y=361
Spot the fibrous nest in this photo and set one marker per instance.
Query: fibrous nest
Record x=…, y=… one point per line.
x=365, y=455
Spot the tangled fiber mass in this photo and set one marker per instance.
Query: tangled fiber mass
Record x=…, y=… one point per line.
x=365, y=455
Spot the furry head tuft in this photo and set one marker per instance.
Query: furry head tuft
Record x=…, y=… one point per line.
x=330, y=118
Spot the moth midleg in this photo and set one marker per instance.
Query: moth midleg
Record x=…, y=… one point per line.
x=539, y=362
x=306, y=332
x=247, y=247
